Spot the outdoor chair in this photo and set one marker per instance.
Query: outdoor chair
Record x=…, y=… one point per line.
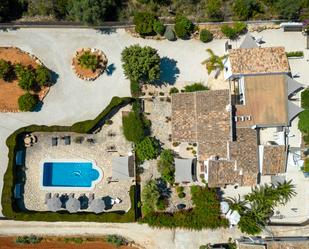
x=47, y=197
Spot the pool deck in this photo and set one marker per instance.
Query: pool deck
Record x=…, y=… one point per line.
x=42, y=151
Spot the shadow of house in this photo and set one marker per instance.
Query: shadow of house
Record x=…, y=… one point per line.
x=169, y=71
x=110, y=69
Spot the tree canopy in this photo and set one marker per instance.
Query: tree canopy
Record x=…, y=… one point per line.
x=183, y=26
x=27, y=102
x=141, y=64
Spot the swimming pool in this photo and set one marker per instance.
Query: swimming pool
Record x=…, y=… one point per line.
x=70, y=174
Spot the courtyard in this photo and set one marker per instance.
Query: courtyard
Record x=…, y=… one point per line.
x=100, y=148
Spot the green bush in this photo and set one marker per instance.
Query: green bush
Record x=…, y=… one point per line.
x=144, y=23
x=303, y=123
x=183, y=26
x=180, y=189
x=228, y=31
x=205, y=213
x=5, y=69
x=206, y=35
x=133, y=127
x=166, y=166
x=245, y=9
x=141, y=64
x=88, y=60
x=169, y=34
x=295, y=54
x=43, y=75
x=196, y=87
x=28, y=102
x=150, y=197
x=305, y=99
x=147, y=149
x=116, y=240
x=74, y=240
x=32, y=239
x=10, y=208
x=240, y=27
x=161, y=204
x=213, y=10
x=181, y=195
x=174, y=90
x=27, y=79
x=158, y=27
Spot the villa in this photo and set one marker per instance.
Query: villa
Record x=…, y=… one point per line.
x=241, y=132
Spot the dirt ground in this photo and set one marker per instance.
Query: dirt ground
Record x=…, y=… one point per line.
x=52, y=243
x=10, y=91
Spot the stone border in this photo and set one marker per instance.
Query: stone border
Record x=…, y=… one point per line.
x=99, y=71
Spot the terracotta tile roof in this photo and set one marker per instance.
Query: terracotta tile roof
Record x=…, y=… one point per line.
x=245, y=152
x=274, y=159
x=223, y=172
x=202, y=117
x=259, y=60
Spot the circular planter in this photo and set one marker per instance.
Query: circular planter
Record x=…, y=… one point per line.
x=85, y=73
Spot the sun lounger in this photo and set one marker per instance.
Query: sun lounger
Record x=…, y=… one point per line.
x=47, y=197
x=54, y=141
x=67, y=140
x=56, y=195
x=91, y=197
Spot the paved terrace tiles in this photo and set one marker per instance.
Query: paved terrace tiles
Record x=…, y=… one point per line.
x=265, y=101
x=202, y=117
x=274, y=160
x=259, y=60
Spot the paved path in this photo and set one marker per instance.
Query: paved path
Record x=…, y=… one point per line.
x=142, y=234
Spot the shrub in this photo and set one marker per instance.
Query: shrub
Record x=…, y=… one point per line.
x=305, y=99
x=240, y=27
x=74, y=240
x=27, y=79
x=144, y=23
x=195, y=87
x=213, y=10
x=174, y=90
x=183, y=26
x=158, y=27
x=150, y=197
x=306, y=165
x=27, y=102
x=303, y=123
x=228, y=31
x=116, y=240
x=181, y=195
x=88, y=60
x=245, y=9
x=169, y=34
x=295, y=54
x=180, y=189
x=141, y=63
x=133, y=128
x=206, y=35
x=32, y=239
x=5, y=69
x=135, y=88
x=147, y=149
x=43, y=75
x=161, y=204
x=166, y=166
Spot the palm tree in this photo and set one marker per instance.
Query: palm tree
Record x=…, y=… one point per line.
x=89, y=61
x=236, y=204
x=214, y=62
x=286, y=191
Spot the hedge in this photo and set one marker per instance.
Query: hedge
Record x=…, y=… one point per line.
x=9, y=203
x=295, y=54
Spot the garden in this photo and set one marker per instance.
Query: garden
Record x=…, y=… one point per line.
x=24, y=80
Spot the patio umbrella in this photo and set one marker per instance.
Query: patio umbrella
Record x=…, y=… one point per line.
x=72, y=205
x=97, y=206
x=224, y=206
x=54, y=204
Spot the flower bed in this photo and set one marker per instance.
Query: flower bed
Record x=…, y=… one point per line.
x=89, y=64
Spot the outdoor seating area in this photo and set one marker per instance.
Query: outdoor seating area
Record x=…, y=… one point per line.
x=74, y=204
x=30, y=140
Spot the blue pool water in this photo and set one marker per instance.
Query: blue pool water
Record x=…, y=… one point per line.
x=69, y=174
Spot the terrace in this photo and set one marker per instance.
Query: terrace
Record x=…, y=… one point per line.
x=104, y=148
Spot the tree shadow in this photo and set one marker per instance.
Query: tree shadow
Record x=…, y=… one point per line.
x=164, y=190
x=106, y=31
x=110, y=69
x=53, y=78
x=169, y=71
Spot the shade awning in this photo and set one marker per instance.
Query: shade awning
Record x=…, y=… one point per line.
x=183, y=170
x=248, y=42
x=97, y=206
x=72, y=205
x=293, y=110
x=293, y=85
x=54, y=204
x=123, y=168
